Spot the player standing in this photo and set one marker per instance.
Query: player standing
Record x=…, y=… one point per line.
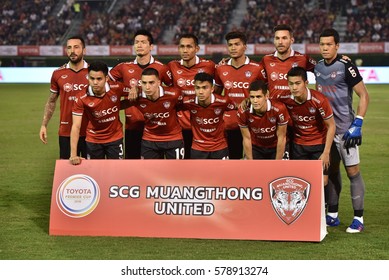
x=276, y=65
x=337, y=79
x=183, y=72
x=66, y=82
x=129, y=73
x=162, y=135
x=206, y=116
x=312, y=117
x=263, y=124
x=100, y=104
x=234, y=77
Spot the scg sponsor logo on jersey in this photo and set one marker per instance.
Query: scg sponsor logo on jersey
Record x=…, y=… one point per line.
x=103, y=113
x=203, y=121
x=161, y=115
x=230, y=85
x=181, y=82
x=68, y=87
x=303, y=118
x=264, y=129
x=274, y=76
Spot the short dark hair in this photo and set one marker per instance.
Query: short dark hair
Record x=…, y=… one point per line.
x=77, y=37
x=146, y=33
x=203, y=77
x=236, y=35
x=150, y=72
x=298, y=72
x=286, y=27
x=330, y=32
x=190, y=36
x=98, y=66
x=258, y=85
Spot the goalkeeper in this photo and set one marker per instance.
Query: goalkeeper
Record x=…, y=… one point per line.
x=338, y=79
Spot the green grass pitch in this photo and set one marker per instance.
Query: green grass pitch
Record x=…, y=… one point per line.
x=26, y=174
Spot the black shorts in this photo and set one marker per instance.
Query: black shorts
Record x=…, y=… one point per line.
x=163, y=149
x=132, y=143
x=263, y=152
x=64, y=147
x=111, y=150
x=268, y=153
x=235, y=144
x=307, y=152
x=220, y=154
x=188, y=138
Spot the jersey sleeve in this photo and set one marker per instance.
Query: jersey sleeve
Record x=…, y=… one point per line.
x=242, y=119
x=115, y=73
x=166, y=76
x=230, y=105
x=218, y=81
x=262, y=66
x=54, y=87
x=311, y=63
x=352, y=74
x=283, y=116
x=326, y=109
x=78, y=106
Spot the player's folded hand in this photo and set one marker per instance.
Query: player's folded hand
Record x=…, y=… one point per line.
x=133, y=94
x=245, y=104
x=75, y=160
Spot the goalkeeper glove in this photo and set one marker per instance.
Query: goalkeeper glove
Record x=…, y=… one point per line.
x=353, y=135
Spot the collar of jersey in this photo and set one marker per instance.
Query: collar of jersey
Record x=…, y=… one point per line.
x=268, y=106
x=91, y=93
x=212, y=99
x=151, y=60
x=197, y=60
x=247, y=61
x=309, y=95
x=291, y=53
x=161, y=92
x=84, y=66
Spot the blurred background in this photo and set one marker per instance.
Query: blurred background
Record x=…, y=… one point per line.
x=33, y=32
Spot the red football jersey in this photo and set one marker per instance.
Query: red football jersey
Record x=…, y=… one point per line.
x=102, y=112
x=160, y=115
x=183, y=79
x=308, y=118
x=263, y=129
x=275, y=70
x=207, y=122
x=236, y=83
x=129, y=73
x=68, y=83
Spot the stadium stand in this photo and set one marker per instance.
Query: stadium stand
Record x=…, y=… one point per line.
x=103, y=22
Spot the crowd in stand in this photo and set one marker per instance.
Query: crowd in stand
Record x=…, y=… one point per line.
x=206, y=18
x=263, y=15
x=367, y=21
x=20, y=18
x=119, y=28
x=34, y=22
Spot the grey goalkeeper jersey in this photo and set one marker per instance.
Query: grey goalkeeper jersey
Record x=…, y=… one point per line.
x=336, y=81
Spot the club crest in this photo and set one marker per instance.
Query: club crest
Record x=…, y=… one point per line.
x=218, y=111
x=289, y=196
x=228, y=85
x=248, y=74
x=166, y=104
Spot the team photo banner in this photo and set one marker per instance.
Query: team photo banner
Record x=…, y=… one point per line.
x=210, y=199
